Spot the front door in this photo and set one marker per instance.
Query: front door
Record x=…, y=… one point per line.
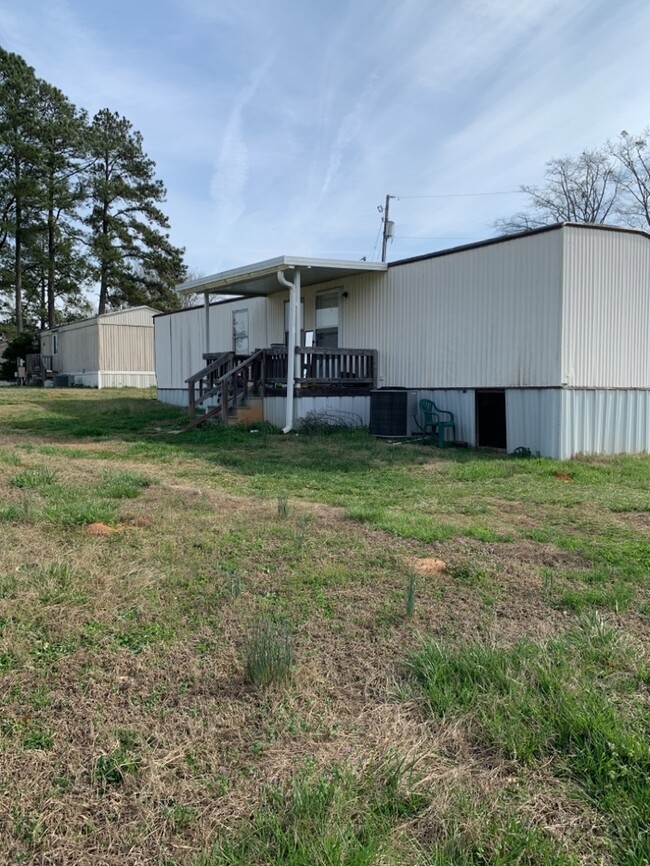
x=327, y=320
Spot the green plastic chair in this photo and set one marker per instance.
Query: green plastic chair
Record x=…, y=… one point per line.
x=437, y=421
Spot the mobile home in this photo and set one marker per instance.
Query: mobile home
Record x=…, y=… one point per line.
x=537, y=340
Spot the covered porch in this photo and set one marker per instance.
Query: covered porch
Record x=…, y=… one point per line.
x=231, y=379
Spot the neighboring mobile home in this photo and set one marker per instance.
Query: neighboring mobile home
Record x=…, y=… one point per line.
x=114, y=350
x=537, y=340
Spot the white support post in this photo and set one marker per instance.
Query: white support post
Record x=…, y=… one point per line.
x=206, y=307
x=292, y=360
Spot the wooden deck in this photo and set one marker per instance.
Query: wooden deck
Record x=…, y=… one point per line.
x=230, y=380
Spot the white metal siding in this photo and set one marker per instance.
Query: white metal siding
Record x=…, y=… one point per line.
x=180, y=338
x=605, y=422
x=125, y=347
x=606, y=317
x=133, y=316
x=275, y=316
x=483, y=317
x=127, y=379
x=173, y=396
x=77, y=348
x=47, y=343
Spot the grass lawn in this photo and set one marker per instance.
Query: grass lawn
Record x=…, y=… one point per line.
x=229, y=646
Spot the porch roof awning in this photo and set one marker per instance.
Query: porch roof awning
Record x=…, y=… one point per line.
x=261, y=278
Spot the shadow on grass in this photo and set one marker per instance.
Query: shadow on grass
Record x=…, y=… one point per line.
x=61, y=416
x=153, y=429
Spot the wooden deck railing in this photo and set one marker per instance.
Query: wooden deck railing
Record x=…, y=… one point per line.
x=340, y=367
x=37, y=366
x=230, y=379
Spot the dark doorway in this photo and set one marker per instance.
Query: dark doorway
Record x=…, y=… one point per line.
x=491, y=419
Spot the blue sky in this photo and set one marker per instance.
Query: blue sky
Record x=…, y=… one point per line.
x=278, y=126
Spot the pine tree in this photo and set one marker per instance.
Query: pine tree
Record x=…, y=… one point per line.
x=63, y=261
x=134, y=259
x=20, y=159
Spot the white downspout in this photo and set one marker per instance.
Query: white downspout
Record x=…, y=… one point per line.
x=294, y=306
x=206, y=307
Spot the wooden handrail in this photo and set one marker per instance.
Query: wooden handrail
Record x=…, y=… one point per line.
x=212, y=367
x=222, y=384
x=247, y=363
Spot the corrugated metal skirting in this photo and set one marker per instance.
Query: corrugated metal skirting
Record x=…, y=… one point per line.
x=605, y=422
x=173, y=396
x=533, y=420
x=351, y=410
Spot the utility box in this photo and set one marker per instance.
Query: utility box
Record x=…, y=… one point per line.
x=393, y=412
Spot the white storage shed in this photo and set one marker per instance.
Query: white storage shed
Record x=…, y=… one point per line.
x=114, y=350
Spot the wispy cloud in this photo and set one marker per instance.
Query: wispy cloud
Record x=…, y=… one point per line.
x=348, y=130
x=229, y=179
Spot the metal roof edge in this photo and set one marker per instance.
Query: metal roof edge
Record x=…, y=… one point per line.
x=230, y=300
x=257, y=270
x=99, y=316
x=516, y=236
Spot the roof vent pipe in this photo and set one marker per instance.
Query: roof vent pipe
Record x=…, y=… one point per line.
x=294, y=304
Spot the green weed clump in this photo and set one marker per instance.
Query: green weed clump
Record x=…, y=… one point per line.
x=9, y=513
x=471, y=832
x=410, y=594
x=268, y=652
x=53, y=582
x=122, y=484
x=235, y=585
x=34, y=479
x=331, y=816
x=111, y=769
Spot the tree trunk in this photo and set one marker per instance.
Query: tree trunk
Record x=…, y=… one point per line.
x=51, y=254
x=103, y=285
x=103, y=291
x=18, y=253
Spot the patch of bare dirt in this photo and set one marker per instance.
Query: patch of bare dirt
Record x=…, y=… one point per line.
x=638, y=519
x=427, y=565
x=101, y=529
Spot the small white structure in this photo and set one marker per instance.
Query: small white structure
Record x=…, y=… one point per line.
x=538, y=340
x=114, y=350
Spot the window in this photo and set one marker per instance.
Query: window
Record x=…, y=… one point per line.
x=327, y=320
x=240, y=332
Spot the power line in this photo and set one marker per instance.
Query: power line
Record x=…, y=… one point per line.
x=465, y=194
x=374, y=249
x=436, y=238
